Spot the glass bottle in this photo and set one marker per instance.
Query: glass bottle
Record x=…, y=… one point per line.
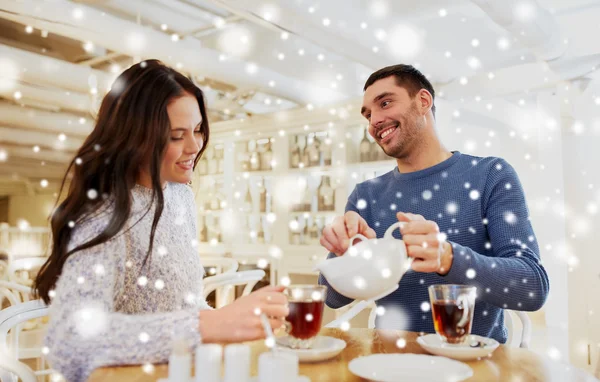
x=203, y=165
x=220, y=160
x=304, y=158
x=254, y=156
x=313, y=233
x=244, y=158
x=212, y=160
x=295, y=234
x=262, y=192
x=295, y=154
x=365, y=148
x=217, y=230
x=267, y=158
x=248, y=207
x=375, y=151
x=314, y=153
x=204, y=231
x=326, y=195
x=326, y=152
x=260, y=234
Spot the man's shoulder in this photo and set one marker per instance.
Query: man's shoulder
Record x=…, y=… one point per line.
x=377, y=182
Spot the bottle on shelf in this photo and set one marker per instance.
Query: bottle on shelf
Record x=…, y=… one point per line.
x=305, y=234
x=365, y=148
x=203, y=165
x=267, y=158
x=254, y=156
x=314, y=153
x=295, y=154
x=326, y=153
x=262, y=192
x=381, y=155
x=248, y=207
x=217, y=234
x=295, y=238
x=244, y=158
x=304, y=157
x=204, y=231
x=215, y=202
x=313, y=233
x=374, y=150
x=220, y=160
x=326, y=195
x=260, y=233
x=212, y=160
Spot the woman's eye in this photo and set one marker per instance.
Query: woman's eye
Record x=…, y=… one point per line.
x=177, y=137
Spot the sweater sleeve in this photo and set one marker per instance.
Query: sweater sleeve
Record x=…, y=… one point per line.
x=85, y=332
x=509, y=274
x=334, y=299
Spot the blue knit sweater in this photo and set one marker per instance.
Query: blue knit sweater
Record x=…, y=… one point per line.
x=479, y=203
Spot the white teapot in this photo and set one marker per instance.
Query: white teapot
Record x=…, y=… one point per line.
x=369, y=270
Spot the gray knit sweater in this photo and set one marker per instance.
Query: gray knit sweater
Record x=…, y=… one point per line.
x=107, y=309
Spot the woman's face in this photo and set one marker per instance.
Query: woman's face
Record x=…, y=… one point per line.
x=185, y=140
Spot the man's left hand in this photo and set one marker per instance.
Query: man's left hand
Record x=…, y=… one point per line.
x=423, y=240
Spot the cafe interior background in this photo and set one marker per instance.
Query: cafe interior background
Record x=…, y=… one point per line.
x=283, y=81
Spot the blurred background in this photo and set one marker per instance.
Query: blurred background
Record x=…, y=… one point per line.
x=283, y=81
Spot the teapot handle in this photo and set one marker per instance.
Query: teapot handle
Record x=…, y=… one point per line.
x=388, y=235
x=390, y=230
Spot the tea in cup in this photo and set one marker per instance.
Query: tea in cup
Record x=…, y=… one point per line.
x=303, y=323
x=452, y=308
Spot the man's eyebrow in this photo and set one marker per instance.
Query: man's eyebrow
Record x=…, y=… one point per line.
x=380, y=96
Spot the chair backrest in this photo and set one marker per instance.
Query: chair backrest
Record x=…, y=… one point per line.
x=217, y=265
x=23, y=264
x=229, y=280
x=11, y=319
x=11, y=369
x=514, y=340
x=15, y=293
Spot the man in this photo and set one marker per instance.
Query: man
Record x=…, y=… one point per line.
x=474, y=208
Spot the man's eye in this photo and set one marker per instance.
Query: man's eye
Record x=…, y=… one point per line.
x=385, y=103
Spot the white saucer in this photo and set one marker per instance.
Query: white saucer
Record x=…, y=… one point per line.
x=323, y=348
x=409, y=367
x=462, y=352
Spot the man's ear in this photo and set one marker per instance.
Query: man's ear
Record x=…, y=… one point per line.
x=424, y=101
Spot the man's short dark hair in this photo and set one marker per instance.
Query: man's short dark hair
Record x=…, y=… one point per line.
x=407, y=77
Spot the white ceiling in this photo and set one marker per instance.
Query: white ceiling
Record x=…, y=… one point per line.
x=255, y=57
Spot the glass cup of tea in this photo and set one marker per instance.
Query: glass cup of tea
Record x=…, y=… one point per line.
x=452, y=308
x=303, y=323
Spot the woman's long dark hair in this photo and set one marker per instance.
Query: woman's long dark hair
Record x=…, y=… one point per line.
x=132, y=132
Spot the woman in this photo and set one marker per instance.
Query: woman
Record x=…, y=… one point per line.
x=123, y=279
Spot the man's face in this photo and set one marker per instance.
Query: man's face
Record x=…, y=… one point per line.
x=394, y=120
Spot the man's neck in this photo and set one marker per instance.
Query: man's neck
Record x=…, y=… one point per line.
x=425, y=156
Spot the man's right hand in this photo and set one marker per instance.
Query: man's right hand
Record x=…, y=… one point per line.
x=336, y=236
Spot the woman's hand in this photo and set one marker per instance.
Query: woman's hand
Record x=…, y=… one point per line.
x=240, y=321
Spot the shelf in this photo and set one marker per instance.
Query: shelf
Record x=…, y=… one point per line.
x=315, y=169
x=390, y=163
x=312, y=214
x=253, y=173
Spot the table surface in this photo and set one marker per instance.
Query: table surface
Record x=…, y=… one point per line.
x=505, y=364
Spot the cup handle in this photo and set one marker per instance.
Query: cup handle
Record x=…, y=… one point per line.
x=463, y=300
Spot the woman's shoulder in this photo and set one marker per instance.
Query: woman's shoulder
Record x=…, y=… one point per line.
x=90, y=225
x=181, y=190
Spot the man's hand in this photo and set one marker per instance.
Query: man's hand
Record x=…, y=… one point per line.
x=336, y=236
x=423, y=241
